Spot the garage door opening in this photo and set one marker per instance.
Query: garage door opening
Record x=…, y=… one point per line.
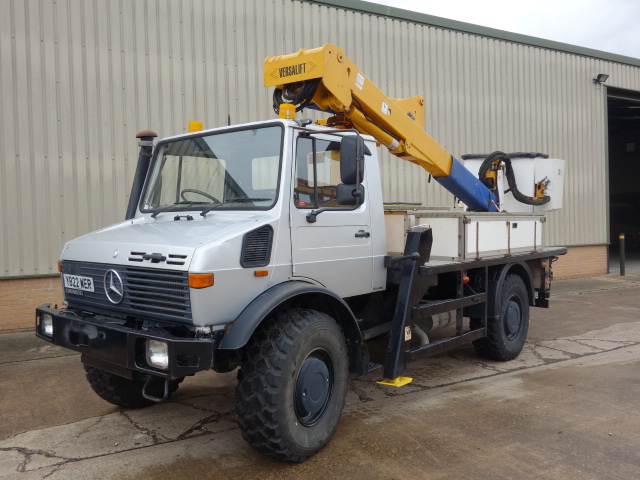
x=623, y=107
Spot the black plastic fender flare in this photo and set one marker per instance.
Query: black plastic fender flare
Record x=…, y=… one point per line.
x=299, y=293
x=521, y=269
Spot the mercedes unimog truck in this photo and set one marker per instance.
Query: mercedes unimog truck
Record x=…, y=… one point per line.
x=268, y=248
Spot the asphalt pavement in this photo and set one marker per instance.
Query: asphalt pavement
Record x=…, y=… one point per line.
x=566, y=408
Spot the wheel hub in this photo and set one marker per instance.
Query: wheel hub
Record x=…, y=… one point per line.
x=312, y=390
x=512, y=317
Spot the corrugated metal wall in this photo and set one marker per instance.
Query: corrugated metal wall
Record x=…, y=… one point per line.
x=79, y=78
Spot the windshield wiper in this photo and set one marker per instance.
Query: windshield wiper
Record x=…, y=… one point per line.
x=234, y=200
x=169, y=207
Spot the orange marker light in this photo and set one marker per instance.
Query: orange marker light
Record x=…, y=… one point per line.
x=194, y=127
x=200, y=280
x=261, y=273
x=287, y=110
x=465, y=279
x=59, y=266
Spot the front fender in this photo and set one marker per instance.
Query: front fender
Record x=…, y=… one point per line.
x=299, y=294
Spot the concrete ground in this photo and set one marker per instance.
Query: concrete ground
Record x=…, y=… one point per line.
x=566, y=408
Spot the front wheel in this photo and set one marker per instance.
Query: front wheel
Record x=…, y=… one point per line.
x=292, y=387
x=507, y=334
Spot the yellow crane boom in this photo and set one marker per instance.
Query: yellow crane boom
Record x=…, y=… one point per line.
x=326, y=79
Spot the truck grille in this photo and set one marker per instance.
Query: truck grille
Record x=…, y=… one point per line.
x=157, y=292
x=148, y=292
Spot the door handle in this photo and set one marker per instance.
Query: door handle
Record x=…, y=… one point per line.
x=362, y=234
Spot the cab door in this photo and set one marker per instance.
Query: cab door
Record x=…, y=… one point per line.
x=335, y=250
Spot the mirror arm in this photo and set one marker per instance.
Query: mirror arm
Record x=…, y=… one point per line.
x=357, y=193
x=311, y=218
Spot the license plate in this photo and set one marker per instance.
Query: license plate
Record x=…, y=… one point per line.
x=78, y=283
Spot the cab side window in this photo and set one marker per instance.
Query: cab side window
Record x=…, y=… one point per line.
x=317, y=173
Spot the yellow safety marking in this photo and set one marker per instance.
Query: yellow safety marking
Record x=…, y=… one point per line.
x=398, y=382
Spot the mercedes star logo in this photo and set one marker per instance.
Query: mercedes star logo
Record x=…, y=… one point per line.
x=113, y=286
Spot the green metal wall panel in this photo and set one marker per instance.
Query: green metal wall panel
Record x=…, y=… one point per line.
x=79, y=78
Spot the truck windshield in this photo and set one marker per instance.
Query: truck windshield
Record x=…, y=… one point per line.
x=236, y=170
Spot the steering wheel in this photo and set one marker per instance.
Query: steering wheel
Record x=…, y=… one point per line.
x=199, y=192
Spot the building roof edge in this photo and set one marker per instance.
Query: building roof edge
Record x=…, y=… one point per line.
x=445, y=23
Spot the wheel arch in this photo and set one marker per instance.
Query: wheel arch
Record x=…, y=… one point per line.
x=299, y=294
x=522, y=270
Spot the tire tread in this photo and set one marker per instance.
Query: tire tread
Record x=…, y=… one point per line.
x=495, y=346
x=259, y=382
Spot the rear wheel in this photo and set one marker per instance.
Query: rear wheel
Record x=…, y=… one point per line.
x=507, y=334
x=292, y=386
x=126, y=392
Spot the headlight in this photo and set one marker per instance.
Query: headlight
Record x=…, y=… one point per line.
x=47, y=325
x=157, y=354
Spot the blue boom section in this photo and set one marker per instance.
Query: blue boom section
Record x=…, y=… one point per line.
x=464, y=185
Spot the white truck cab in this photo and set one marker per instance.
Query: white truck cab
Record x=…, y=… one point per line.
x=233, y=203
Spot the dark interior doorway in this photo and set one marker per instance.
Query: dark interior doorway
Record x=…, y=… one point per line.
x=623, y=108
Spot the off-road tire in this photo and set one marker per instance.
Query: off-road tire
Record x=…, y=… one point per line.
x=123, y=391
x=285, y=358
x=507, y=334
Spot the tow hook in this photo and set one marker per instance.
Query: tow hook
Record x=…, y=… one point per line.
x=152, y=398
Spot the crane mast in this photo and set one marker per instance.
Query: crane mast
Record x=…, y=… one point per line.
x=327, y=80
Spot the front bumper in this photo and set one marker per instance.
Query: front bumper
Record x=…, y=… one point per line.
x=106, y=343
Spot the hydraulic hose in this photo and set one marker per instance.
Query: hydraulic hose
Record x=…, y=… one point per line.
x=511, y=179
x=299, y=94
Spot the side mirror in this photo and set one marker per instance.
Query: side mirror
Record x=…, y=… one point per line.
x=349, y=194
x=352, y=152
